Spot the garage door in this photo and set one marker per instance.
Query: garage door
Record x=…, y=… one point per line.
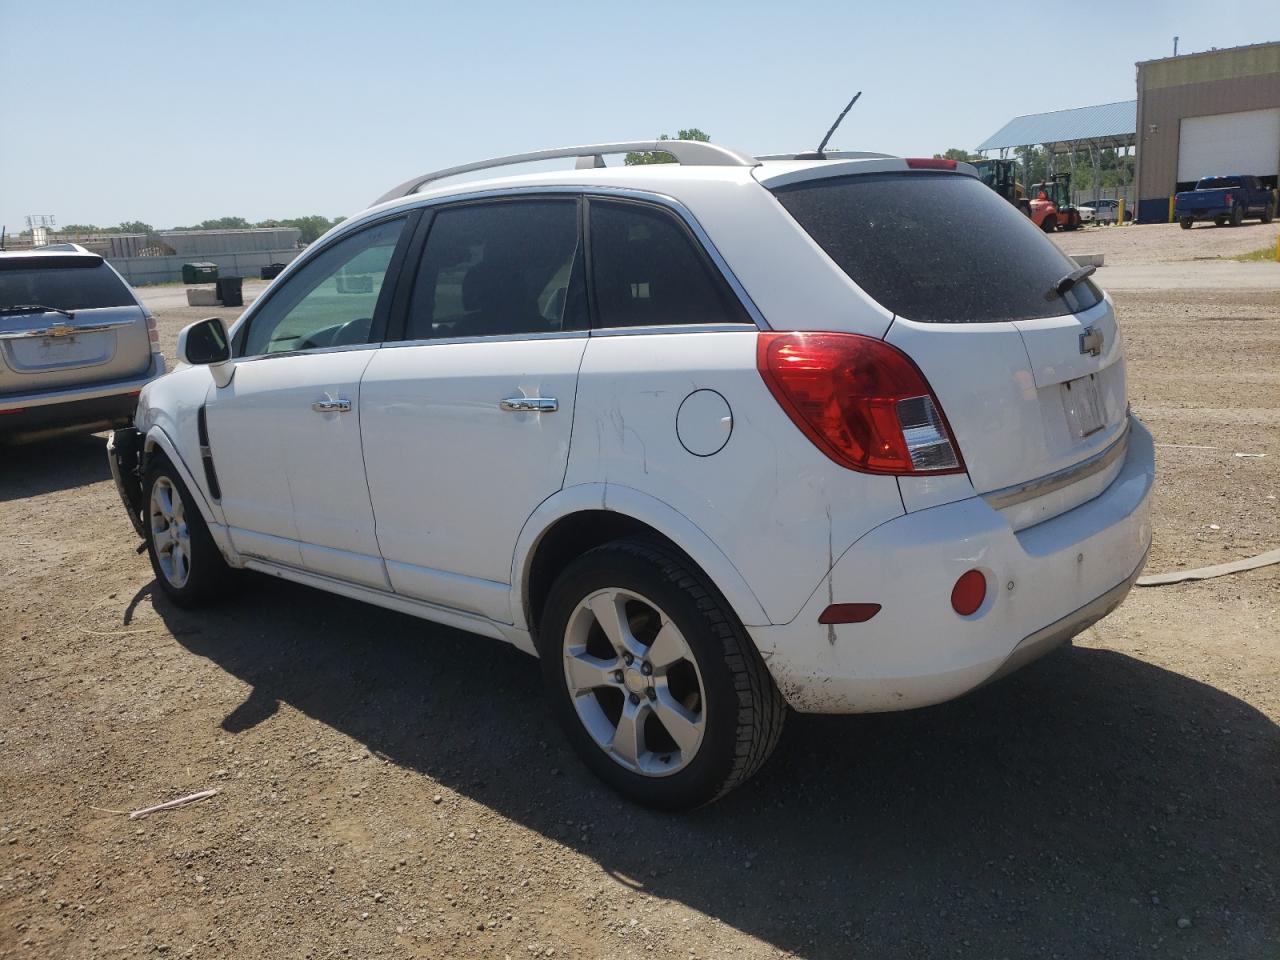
x=1230, y=143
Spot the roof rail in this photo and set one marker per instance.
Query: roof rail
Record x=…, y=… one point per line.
x=688, y=152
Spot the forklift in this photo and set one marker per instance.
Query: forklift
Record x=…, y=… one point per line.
x=1002, y=177
x=1051, y=206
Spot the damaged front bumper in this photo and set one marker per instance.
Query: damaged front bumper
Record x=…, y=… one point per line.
x=124, y=455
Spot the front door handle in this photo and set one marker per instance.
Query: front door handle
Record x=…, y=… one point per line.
x=328, y=405
x=530, y=404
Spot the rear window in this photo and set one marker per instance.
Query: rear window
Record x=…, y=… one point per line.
x=80, y=285
x=938, y=248
x=1218, y=183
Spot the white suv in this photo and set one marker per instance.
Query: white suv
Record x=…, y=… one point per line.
x=711, y=438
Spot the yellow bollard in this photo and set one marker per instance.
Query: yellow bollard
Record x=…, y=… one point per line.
x=1171, y=208
x=1278, y=248
x=1120, y=214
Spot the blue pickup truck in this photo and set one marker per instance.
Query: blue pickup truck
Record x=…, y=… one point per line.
x=1225, y=200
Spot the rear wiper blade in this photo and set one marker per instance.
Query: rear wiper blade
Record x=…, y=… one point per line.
x=1069, y=281
x=35, y=308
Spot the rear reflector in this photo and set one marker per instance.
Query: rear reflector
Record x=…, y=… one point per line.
x=930, y=163
x=849, y=613
x=969, y=592
x=860, y=401
x=12, y=410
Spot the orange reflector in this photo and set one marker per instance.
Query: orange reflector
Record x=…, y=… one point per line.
x=849, y=613
x=969, y=592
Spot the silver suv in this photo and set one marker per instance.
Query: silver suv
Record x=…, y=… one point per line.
x=76, y=344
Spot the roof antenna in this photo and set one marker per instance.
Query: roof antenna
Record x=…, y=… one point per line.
x=818, y=154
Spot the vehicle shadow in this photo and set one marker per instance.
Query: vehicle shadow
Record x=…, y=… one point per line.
x=62, y=463
x=1082, y=807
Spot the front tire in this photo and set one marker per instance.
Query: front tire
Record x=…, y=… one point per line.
x=187, y=563
x=1268, y=214
x=656, y=683
x=1185, y=223
x=1049, y=223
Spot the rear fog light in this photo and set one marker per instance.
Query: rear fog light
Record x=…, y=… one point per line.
x=969, y=593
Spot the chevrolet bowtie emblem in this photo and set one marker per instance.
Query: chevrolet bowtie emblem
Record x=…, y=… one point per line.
x=60, y=329
x=1091, y=341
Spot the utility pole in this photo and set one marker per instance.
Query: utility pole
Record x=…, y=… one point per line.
x=1175, y=46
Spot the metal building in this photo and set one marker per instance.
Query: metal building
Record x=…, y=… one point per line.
x=195, y=243
x=1206, y=114
x=1107, y=126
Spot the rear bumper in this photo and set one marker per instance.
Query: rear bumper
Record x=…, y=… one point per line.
x=87, y=408
x=1202, y=213
x=1044, y=585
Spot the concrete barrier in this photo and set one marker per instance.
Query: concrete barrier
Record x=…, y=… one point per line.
x=1088, y=259
x=143, y=270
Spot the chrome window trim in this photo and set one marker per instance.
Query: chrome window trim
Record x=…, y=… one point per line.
x=341, y=348
x=486, y=338
x=1022, y=492
x=674, y=328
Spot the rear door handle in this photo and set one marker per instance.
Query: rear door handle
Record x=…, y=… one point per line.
x=328, y=405
x=530, y=404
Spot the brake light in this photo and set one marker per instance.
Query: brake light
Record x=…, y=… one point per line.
x=152, y=333
x=1229, y=198
x=930, y=163
x=860, y=401
x=848, y=613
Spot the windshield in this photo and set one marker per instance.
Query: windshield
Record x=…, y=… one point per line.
x=938, y=248
x=1217, y=183
x=70, y=287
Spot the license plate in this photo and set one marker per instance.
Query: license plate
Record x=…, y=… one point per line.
x=1083, y=405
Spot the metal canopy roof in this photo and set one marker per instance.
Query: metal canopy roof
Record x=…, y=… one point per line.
x=1115, y=124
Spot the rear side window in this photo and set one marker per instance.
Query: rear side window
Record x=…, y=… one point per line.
x=65, y=287
x=937, y=248
x=500, y=268
x=646, y=271
x=1218, y=183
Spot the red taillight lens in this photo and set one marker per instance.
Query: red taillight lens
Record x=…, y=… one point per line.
x=860, y=401
x=152, y=332
x=969, y=592
x=930, y=163
x=1229, y=198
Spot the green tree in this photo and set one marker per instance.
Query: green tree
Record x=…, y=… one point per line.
x=660, y=156
x=135, y=226
x=221, y=223
x=955, y=153
x=79, y=228
x=312, y=227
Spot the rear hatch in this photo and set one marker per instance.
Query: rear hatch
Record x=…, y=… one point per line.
x=1203, y=200
x=1030, y=377
x=104, y=339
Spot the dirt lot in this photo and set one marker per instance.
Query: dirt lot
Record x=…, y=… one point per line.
x=1168, y=242
x=394, y=789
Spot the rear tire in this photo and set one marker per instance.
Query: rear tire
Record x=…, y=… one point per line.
x=1049, y=223
x=187, y=563
x=1219, y=221
x=1185, y=223
x=655, y=682
x=1237, y=216
x=1269, y=214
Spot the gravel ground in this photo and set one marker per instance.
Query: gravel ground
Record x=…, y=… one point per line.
x=389, y=788
x=1168, y=242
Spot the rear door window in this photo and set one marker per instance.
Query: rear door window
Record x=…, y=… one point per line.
x=647, y=271
x=80, y=283
x=937, y=248
x=500, y=268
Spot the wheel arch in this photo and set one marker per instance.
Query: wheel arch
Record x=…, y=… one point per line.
x=157, y=439
x=585, y=516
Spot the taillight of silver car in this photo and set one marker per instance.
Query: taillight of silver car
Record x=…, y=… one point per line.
x=862, y=402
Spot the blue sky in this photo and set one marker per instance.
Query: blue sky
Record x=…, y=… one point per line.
x=177, y=112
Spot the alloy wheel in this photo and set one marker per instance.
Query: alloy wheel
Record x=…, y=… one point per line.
x=170, y=535
x=634, y=682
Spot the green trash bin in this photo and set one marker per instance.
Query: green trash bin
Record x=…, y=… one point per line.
x=199, y=273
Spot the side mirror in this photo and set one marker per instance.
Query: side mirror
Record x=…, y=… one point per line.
x=205, y=343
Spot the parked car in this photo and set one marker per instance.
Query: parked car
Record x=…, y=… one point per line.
x=1225, y=200
x=1106, y=210
x=76, y=343
x=1087, y=214
x=712, y=439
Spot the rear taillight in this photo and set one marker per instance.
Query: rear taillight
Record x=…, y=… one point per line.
x=930, y=163
x=1229, y=198
x=152, y=333
x=861, y=402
